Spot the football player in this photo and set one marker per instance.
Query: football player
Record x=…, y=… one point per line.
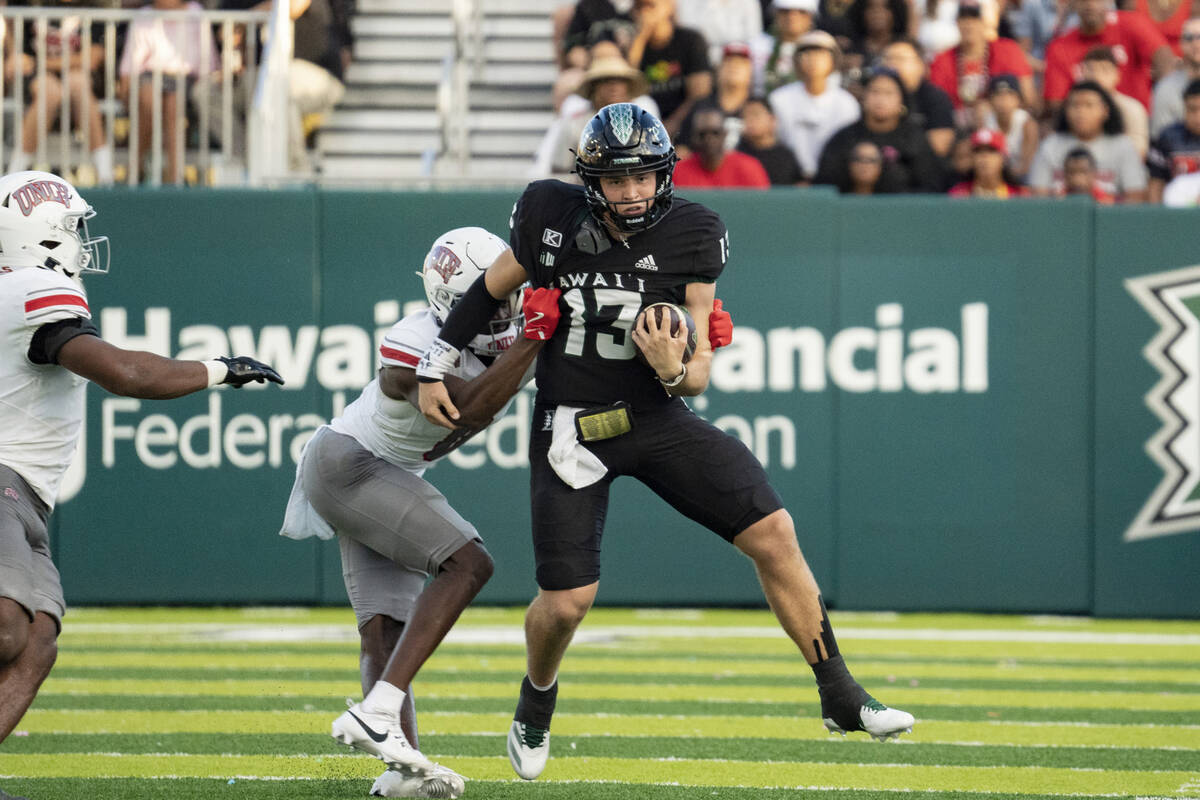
x=617, y=243
x=49, y=350
x=361, y=478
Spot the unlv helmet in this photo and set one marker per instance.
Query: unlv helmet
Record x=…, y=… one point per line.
x=43, y=223
x=623, y=139
x=455, y=261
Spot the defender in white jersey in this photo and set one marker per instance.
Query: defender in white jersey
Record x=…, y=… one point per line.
x=49, y=350
x=360, y=477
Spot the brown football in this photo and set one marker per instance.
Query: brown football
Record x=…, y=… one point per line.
x=678, y=313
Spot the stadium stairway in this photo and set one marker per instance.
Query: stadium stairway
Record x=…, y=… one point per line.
x=441, y=91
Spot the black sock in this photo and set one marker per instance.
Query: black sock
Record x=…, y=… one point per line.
x=536, y=708
x=841, y=695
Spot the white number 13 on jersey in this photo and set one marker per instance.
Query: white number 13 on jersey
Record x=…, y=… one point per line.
x=613, y=341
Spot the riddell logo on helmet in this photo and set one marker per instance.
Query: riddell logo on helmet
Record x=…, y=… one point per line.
x=34, y=193
x=444, y=262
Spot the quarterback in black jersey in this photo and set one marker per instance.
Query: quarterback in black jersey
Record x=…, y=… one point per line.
x=613, y=246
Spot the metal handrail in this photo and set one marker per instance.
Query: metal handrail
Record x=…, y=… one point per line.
x=15, y=18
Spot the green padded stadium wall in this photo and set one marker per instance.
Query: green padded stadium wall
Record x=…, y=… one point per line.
x=949, y=396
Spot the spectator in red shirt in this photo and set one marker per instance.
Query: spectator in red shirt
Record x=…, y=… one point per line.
x=989, y=176
x=1140, y=48
x=1167, y=16
x=963, y=72
x=712, y=164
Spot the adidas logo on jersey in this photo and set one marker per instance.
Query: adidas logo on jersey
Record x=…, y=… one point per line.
x=646, y=262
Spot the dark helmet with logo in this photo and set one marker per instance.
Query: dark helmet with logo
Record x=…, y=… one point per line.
x=623, y=139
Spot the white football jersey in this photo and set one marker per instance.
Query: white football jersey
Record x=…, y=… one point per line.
x=41, y=405
x=396, y=430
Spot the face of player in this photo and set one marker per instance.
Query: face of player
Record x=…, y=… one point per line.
x=630, y=195
x=1078, y=176
x=1086, y=114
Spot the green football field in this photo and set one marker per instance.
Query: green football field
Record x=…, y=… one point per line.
x=653, y=705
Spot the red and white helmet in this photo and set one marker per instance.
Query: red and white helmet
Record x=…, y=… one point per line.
x=455, y=261
x=43, y=223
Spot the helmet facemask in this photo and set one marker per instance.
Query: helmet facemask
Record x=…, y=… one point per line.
x=43, y=223
x=456, y=261
x=609, y=211
x=93, y=253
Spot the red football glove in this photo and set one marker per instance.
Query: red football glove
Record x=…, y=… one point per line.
x=720, y=326
x=541, y=312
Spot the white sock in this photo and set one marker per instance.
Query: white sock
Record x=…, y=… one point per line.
x=20, y=160
x=102, y=160
x=383, y=698
x=546, y=688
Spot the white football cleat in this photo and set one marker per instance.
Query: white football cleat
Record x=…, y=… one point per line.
x=881, y=722
x=528, y=749
x=443, y=783
x=380, y=735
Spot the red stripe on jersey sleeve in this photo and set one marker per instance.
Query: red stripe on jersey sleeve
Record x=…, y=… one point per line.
x=56, y=300
x=398, y=355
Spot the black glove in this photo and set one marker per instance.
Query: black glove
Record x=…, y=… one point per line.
x=243, y=369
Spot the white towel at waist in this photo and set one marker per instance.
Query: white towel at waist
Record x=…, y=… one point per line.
x=575, y=464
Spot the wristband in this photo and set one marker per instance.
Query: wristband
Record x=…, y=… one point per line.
x=218, y=371
x=439, y=359
x=678, y=379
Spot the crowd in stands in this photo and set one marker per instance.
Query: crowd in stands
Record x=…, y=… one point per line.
x=190, y=66
x=973, y=98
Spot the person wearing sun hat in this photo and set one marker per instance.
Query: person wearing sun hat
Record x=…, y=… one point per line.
x=608, y=79
x=989, y=176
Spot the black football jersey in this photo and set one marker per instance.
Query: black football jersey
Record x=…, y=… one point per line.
x=590, y=359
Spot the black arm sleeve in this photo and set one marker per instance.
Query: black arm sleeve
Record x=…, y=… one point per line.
x=469, y=316
x=49, y=339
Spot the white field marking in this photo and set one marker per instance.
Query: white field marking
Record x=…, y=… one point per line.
x=598, y=782
x=513, y=634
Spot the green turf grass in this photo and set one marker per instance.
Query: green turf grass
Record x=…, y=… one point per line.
x=654, y=705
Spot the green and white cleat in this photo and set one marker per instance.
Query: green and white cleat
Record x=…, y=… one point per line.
x=528, y=749
x=443, y=782
x=879, y=721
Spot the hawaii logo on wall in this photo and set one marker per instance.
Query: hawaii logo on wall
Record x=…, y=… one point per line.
x=1173, y=300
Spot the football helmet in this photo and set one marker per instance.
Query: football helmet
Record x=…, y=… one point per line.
x=43, y=223
x=455, y=261
x=623, y=139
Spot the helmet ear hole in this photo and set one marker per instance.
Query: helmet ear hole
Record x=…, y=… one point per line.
x=49, y=244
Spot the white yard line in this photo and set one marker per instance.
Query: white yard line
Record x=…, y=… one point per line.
x=512, y=634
